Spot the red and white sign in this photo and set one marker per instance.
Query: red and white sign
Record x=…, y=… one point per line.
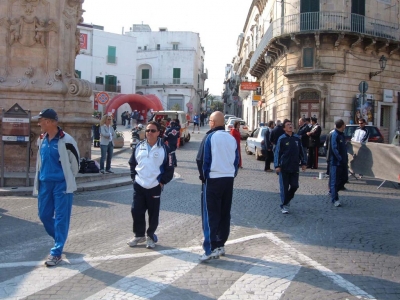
x=249, y=86
x=102, y=98
x=83, y=41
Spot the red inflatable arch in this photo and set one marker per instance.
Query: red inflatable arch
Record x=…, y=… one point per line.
x=135, y=101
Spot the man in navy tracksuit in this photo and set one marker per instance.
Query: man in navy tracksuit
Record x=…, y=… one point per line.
x=171, y=136
x=288, y=153
x=151, y=168
x=337, y=160
x=218, y=162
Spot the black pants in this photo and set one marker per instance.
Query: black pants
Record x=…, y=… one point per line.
x=338, y=176
x=312, y=157
x=173, y=153
x=216, y=202
x=288, y=183
x=269, y=157
x=145, y=199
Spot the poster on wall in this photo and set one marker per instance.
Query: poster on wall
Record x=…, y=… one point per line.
x=364, y=110
x=83, y=41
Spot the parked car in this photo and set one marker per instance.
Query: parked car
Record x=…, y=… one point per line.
x=232, y=118
x=226, y=117
x=244, y=130
x=253, y=143
x=375, y=136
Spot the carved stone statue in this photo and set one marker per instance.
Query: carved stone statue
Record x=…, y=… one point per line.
x=15, y=30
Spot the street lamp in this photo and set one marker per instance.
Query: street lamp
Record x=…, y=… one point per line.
x=268, y=60
x=382, y=65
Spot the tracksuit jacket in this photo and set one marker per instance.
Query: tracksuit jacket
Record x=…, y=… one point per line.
x=151, y=167
x=337, y=149
x=288, y=153
x=69, y=159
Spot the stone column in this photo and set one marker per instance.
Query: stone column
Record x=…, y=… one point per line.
x=39, y=43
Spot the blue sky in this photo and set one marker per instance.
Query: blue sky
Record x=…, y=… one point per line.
x=219, y=23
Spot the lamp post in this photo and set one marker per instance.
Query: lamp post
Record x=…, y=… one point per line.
x=268, y=60
x=382, y=65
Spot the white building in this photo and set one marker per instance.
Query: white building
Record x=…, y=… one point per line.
x=170, y=64
x=108, y=61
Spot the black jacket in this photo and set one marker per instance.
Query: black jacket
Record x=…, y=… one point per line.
x=302, y=133
x=276, y=133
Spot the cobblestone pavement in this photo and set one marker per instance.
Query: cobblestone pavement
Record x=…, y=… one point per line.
x=316, y=252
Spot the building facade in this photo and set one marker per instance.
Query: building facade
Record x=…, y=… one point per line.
x=170, y=64
x=310, y=57
x=108, y=61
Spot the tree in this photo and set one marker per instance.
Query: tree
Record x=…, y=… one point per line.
x=176, y=107
x=214, y=105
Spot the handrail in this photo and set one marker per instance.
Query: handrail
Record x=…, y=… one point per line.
x=326, y=21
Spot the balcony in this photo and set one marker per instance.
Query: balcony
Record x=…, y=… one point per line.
x=106, y=88
x=326, y=22
x=164, y=82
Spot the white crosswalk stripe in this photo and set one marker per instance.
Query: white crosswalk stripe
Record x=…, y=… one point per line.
x=40, y=278
x=267, y=280
x=151, y=279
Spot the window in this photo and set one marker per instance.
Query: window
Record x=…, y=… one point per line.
x=174, y=46
x=145, y=48
x=176, y=76
x=78, y=73
x=308, y=57
x=145, y=76
x=99, y=80
x=158, y=46
x=112, y=55
x=139, y=48
x=111, y=83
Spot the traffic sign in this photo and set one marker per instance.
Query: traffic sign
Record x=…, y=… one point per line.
x=103, y=98
x=363, y=87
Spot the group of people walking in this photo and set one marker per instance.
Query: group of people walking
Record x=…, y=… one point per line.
x=152, y=167
x=135, y=116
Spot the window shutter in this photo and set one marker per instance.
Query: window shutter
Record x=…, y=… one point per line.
x=79, y=73
x=112, y=53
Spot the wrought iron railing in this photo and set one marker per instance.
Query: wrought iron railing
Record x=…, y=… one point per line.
x=326, y=21
x=164, y=81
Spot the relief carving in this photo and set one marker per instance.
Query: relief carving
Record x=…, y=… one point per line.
x=29, y=5
x=29, y=72
x=72, y=3
x=80, y=87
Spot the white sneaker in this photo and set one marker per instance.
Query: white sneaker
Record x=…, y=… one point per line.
x=150, y=244
x=221, y=251
x=213, y=255
x=284, y=210
x=337, y=203
x=137, y=240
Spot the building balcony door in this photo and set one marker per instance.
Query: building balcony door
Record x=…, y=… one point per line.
x=309, y=108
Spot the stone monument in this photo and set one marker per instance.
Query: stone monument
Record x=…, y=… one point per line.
x=39, y=43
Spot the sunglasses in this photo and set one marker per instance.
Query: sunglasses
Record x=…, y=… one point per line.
x=151, y=130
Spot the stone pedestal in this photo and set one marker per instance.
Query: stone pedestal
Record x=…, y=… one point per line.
x=40, y=41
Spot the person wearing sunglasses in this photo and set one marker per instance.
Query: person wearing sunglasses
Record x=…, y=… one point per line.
x=57, y=165
x=361, y=135
x=107, y=136
x=152, y=167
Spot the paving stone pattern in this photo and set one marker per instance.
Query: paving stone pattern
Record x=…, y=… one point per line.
x=317, y=251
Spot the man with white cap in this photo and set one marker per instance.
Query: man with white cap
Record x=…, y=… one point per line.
x=56, y=167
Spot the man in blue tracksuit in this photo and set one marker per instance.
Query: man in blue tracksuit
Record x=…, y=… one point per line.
x=151, y=168
x=171, y=136
x=56, y=167
x=337, y=160
x=217, y=162
x=288, y=154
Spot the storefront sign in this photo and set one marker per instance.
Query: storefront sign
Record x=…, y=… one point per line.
x=249, y=86
x=388, y=96
x=256, y=97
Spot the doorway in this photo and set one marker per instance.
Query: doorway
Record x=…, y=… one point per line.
x=386, y=120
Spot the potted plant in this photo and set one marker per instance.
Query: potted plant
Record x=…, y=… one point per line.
x=119, y=139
